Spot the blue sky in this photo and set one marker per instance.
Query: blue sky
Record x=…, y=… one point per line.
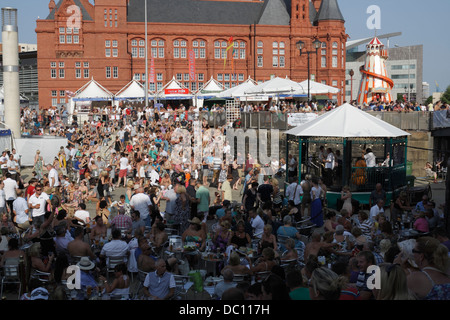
x=421, y=22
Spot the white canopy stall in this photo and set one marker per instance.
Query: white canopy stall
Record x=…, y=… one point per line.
x=132, y=91
x=211, y=89
x=174, y=90
x=91, y=91
x=354, y=131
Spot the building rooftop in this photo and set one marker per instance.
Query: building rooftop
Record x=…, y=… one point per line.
x=329, y=10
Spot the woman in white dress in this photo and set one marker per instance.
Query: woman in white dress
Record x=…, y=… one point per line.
x=316, y=203
x=346, y=196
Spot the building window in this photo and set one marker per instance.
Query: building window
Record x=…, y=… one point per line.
x=107, y=53
x=161, y=43
x=183, y=54
x=195, y=43
x=137, y=76
x=179, y=77
x=53, y=73
x=134, y=52
x=62, y=73
x=161, y=52
x=259, y=51
x=217, y=44
x=61, y=64
x=62, y=30
x=176, y=43
x=154, y=43
x=201, y=77
x=282, y=62
x=334, y=61
x=195, y=53
x=193, y=86
x=114, y=43
x=334, y=83
x=159, y=77
x=275, y=61
x=154, y=52
x=108, y=72
x=115, y=72
x=202, y=43
x=176, y=53
x=134, y=43
x=141, y=52
x=260, y=61
x=186, y=77
x=69, y=39
x=159, y=86
x=260, y=44
x=62, y=100
x=76, y=31
x=54, y=102
x=217, y=53
x=324, y=52
x=183, y=43
x=62, y=93
x=62, y=39
x=86, y=73
x=115, y=52
x=108, y=43
x=219, y=77
x=275, y=44
x=324, y=82
x=226, y=77
x=76, y=39
x=324, y=44
x=242, y=53
x=143, y=77
x=323, y=63
x=151, y=86
x=141, y=43
x=86, y=64
x=78, y=73
x=335, y=45
x=77, y=64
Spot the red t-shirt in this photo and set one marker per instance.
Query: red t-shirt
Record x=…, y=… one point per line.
x=30, y=191
x=349, y=293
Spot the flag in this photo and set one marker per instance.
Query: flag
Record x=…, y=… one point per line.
x=230, y=45
x=437, y=86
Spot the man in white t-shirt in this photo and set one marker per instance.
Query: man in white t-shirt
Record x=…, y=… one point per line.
x=82, y=214
x=370, y=158
x=142, y=203
x=123, y=169
x=21, y=210
x=37, y=204
x=4, y=162
x=13, y=166
x=53, y=177
x=257, y=223
x=10, y=188
x=376, y=209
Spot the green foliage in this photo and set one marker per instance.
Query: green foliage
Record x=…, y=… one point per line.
x=446, y=96
x=429, y=100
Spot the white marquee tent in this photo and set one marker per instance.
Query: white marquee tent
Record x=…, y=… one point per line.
x=91, y=91
x=133, y=90
x=174, y=90
x=276, y=86
x=211, y=89
x=347, y=121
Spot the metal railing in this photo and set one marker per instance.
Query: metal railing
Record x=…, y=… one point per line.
x=364, y=179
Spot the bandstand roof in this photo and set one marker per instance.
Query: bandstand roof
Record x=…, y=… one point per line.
x=347, y=121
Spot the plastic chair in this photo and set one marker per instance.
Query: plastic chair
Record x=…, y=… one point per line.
x=11, y=274
x=141, y=277
x=112, y=263
x=180, y=289
x=43, y=277
x=261, y=276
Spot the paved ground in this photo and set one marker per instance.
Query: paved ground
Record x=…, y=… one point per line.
x=438, y=195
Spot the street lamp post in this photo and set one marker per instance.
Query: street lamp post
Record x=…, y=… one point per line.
x=351, y=73
x=300, y=46
x=146, y=57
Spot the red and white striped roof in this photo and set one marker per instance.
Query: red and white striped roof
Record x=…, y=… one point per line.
x=375, y=41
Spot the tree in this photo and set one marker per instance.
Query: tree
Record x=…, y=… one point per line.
x=446, y=96
x=429, y=100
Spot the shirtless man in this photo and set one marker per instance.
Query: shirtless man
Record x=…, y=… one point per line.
x=159, y=237
x=78, y=247
x=99, y=230
x=313, y=248
x=147, y=259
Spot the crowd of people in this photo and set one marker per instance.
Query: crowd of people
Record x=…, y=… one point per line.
x=129, y=167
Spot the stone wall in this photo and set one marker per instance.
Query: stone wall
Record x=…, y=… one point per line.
x=419, y=139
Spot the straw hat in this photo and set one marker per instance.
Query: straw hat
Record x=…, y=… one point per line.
x=195, y=221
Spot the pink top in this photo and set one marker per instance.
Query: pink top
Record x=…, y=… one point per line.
x=421, y=224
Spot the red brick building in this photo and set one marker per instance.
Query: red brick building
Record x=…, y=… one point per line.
x=107, y=43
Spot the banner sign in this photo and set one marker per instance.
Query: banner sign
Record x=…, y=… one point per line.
x=296, y=119
x=152, y=71
x=191, y=65
x=176, y=91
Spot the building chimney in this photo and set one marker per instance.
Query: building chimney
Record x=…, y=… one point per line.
x=51, y=5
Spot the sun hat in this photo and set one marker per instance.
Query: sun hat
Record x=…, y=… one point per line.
x=39, y=293
x=195, y=221
x=86, y=264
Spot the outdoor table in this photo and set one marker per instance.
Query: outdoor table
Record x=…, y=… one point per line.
x=212, y=259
